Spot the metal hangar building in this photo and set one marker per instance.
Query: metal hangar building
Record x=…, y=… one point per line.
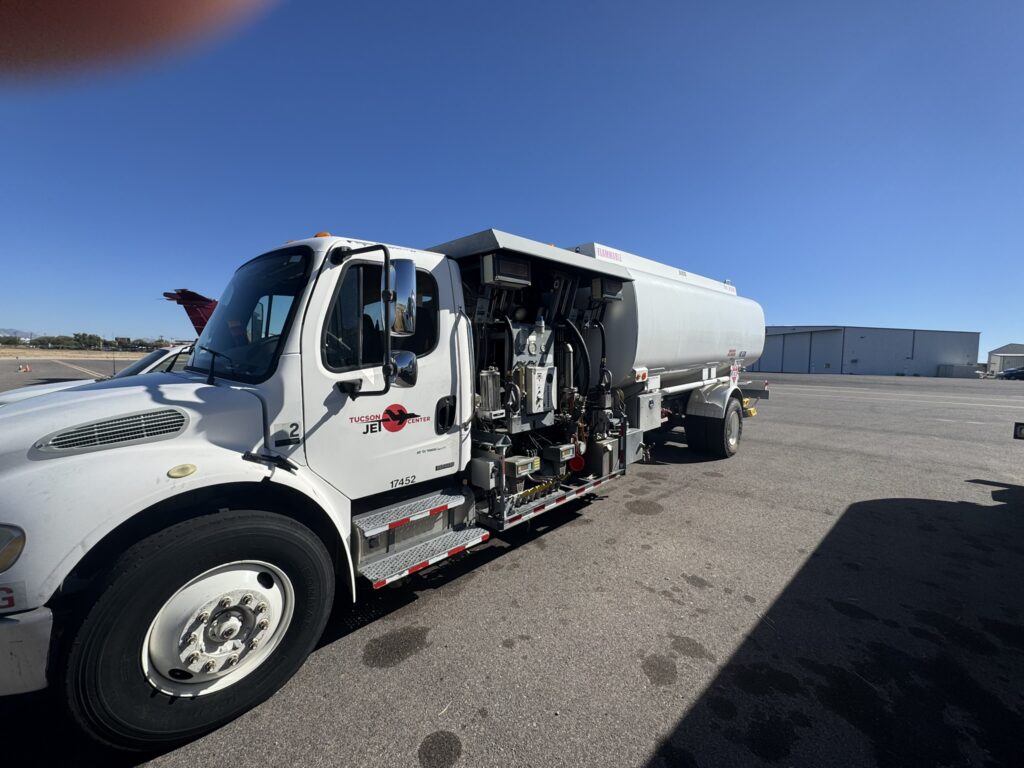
x=870, y=351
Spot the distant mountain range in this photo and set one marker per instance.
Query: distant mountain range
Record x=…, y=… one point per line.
x=14, y=332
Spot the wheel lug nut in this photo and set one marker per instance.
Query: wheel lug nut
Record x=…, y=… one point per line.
x=193, y=639
x=231, y=661
x=263, y=624
x=203, y=617
x=247, y=600
x=192, y=658
x=208, y=666
x=225, y=602
x=261, y=608
x=254, y=644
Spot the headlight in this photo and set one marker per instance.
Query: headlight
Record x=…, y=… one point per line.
x=12, y=541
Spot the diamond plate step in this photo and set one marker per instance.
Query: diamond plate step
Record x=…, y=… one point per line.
x=383, y=572
x=386, y=518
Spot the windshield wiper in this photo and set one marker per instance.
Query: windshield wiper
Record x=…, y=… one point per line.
x=214, y=354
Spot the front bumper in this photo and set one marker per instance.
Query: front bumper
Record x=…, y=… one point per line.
x=24, y=649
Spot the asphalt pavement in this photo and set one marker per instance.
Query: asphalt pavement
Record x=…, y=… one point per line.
x=46, y=371
x=846, y=591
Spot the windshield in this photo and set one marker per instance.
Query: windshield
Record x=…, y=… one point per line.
x=253, y=316
x=143, y=363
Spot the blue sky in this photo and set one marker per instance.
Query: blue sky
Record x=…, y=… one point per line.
x=841, y=162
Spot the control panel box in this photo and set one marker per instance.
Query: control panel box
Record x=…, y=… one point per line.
x=541, y=385
x=521, y=466
x=559, y=454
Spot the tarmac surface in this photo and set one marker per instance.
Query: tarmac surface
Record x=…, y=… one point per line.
x=47, y=371
x=845, y=591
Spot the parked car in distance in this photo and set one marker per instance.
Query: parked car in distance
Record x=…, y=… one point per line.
x=162, y=360
x=1012, y=373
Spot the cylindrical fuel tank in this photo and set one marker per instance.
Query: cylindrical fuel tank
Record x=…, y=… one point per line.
x=674, y=323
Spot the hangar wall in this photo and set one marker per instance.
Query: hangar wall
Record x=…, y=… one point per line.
x=862, y=350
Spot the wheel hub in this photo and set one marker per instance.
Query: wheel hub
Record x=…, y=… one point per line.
x=733, y=429
x=217, y=628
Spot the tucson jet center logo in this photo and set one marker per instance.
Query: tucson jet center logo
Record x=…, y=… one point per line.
x=393, y=419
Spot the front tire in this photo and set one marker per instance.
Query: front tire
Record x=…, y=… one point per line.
x=195, y=625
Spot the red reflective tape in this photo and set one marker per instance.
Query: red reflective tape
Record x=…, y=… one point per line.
x=397, y=523
x=456, y=551
x=439, y=510
x=379, y=584
x=581, y=491
x=539, y=509
x=597, y=483
x=419, y=566
x=560, y=499
x=513, y=519
x=485, y=537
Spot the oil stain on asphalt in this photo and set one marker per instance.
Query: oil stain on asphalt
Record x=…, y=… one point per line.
x=441, y=749
x=394, y=647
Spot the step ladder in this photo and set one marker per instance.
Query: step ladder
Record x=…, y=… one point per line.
x=408, y=561
x=388, y=518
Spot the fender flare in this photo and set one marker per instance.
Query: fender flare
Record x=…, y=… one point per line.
x=711, y=401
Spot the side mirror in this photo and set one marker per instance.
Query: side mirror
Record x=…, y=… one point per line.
x=256, y=323
x=404, y=368
x=403, y=286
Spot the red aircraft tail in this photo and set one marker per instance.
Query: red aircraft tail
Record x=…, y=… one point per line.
x=197, y=307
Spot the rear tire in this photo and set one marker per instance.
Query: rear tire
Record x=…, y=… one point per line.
x=232, y=593
x=723, y=435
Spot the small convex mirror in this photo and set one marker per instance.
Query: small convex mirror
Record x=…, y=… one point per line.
x=403, y=283
x=405, y=368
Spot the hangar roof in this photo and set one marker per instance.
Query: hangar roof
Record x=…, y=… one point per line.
x=778, y=330
x=1009, y=349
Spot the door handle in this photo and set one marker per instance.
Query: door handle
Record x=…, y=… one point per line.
x=444, y=414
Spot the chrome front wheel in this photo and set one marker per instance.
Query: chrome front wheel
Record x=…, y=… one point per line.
x=218, y=628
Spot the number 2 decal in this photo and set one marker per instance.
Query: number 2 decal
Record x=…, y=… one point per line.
x=287, y=434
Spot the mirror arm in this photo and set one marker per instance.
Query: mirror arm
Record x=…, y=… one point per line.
x=353, y=388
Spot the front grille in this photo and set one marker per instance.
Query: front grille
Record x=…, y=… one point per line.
x=148, y=425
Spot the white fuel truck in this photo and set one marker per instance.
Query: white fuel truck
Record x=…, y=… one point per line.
x=352, y=411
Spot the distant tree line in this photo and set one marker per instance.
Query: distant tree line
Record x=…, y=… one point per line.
x=83, y=341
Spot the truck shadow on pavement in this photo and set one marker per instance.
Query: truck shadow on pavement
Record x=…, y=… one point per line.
x=35, y=731
x=668, y=446
x=372, y=604
x=899, y=642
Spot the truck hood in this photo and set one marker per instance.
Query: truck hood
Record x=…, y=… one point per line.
x=34, y=390
x=220, y=414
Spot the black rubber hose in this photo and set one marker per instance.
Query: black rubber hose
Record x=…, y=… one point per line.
x=605, y=375
x=584, y=353
x=604, y=346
